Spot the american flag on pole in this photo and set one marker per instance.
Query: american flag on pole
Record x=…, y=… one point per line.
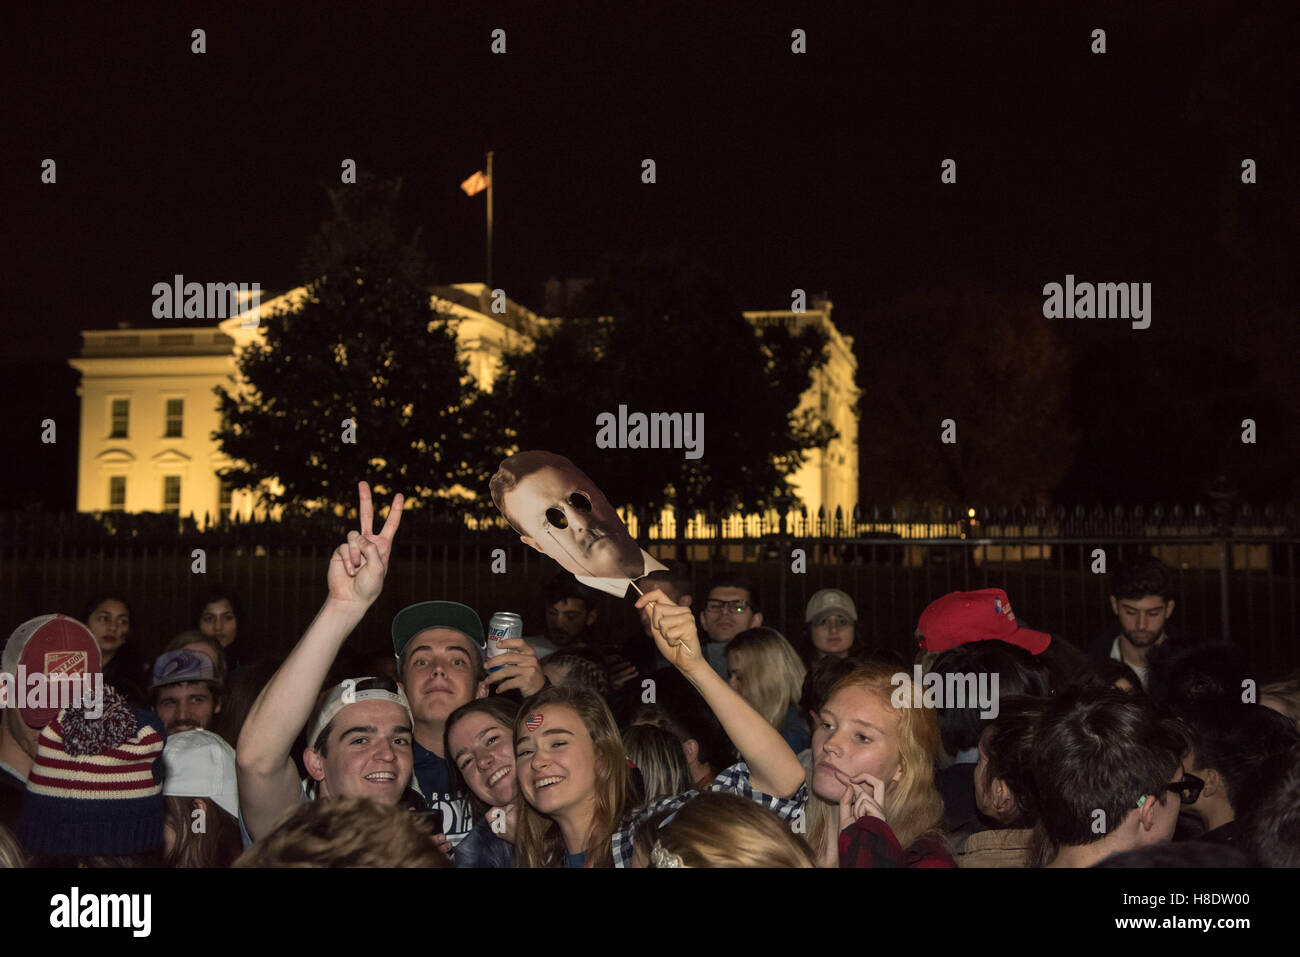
x=475, y=184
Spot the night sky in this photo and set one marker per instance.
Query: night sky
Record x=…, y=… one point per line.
x=818, y=171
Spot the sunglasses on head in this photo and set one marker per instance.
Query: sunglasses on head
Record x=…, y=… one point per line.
x=577, y=501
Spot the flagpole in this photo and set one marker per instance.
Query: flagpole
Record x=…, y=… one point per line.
x=489, y=219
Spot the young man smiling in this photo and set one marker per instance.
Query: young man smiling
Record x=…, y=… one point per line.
x=440, y=647
x=359, y=742
x=186, y=693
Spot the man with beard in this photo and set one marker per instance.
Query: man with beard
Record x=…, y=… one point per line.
x=1142, y=598
x=185, y=690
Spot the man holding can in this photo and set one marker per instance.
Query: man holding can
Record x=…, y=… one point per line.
x=440, y=647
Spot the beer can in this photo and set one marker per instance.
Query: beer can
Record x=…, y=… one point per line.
x=503, y=624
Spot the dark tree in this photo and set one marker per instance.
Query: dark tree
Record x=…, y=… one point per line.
x=664, y=336
x=364, y=345
x=992, y=365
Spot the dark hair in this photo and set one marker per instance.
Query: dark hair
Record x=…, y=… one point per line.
x=585, y=666
x=245, y=685
x=216, y=846
x=1181, y=677
x=683, y=713
x=89, y=607
x=1008, y=746
x=217, y=593
x=1182, y=854
x=480, y=668
x=1235, y=739
x=1100, y=749
x=678, y=575
x=728, y=580
x=1269, y=817
x=1019, y=673
x=503, y=710
x=564, y=586
x=1105, y=674
x=859, y=650
x=1141, y=577
x=1064, y=663
x=660, y=717
x=821, y=678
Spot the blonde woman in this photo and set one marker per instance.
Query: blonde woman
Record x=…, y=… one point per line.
x=764, y=668
x=658, y=755
x=871, y=799
x=722, y=830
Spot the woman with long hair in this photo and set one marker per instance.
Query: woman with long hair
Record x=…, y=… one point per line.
x=871, y=795
x=109, y=618
x=219, y=614
x=658, y=755
x=575, y=778
x=200, y=786
x=479, y=742
x=764, y=668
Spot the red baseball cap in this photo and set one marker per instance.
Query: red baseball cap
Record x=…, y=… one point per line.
x=54, y=645
x=985, y=615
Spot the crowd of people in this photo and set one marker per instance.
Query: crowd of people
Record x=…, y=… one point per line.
x=711, y=740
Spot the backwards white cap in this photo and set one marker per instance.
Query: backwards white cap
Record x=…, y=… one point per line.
x=351, y=691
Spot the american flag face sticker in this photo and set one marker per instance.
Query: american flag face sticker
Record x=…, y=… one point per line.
x=533, y=721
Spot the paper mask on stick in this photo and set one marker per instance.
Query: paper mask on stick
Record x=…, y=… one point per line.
x=558, y=510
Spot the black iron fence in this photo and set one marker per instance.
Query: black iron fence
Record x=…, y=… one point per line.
x=1236, y=568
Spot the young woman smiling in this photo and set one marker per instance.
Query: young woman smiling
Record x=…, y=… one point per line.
x=573, y=772
x=480, y=743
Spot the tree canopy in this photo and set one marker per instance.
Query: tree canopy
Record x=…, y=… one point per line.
x=662, y=335
x=364, y=346
x=992, y=365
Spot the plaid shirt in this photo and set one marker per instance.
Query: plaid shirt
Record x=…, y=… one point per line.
x=734, y=780
x=870, y=842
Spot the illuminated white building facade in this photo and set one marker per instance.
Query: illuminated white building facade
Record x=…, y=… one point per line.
x=148, y=409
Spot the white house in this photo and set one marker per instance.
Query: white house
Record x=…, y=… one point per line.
x=148, y=409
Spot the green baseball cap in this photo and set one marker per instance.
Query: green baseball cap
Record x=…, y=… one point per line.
x=413, y=619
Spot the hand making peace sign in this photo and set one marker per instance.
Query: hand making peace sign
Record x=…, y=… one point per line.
x=358, y=566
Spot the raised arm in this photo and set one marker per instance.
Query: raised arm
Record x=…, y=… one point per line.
x=773, y=767
x=268, y=779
